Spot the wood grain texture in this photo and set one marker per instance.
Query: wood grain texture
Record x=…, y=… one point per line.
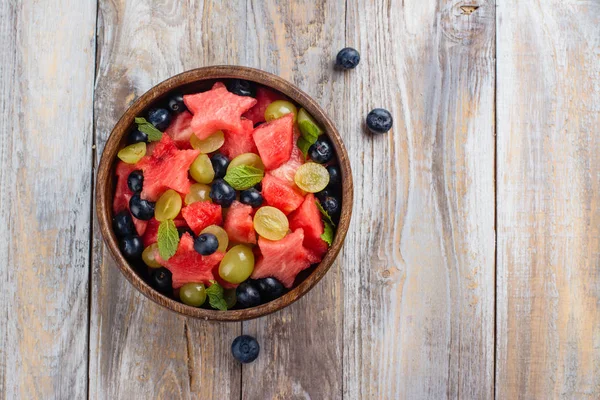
x=301, y=353
x=46, y=89
x=548, y=200
x=419, y=259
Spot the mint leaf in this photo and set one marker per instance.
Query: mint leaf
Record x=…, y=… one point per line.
x=328, y=233
x=154, y=134
x=215, y=296
x=309, y=128
x=168, y=239
x=243, y=177
x=303, y=145
x=324, y=213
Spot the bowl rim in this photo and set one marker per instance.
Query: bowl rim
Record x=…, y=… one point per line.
x=106, y=167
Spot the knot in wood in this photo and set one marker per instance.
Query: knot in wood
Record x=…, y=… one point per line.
x=464, y=21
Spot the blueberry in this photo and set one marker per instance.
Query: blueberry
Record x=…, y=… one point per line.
x=379, y=120
x=331, y=205
x=247, y=295
x=184, y=229
x=123, y=225
x=221, y=193
x=161, y=279
x=258, y=186
x=321, y=151
x=323, y=194
x=176, y=104
x=131, y=247
x=206, y=244
x=252, y=197
x=241, y=87
x=136, y=136
x=135, y=180
x=335, y=177
x=220, y=164
x=160, y=118
x=141, y=209
x=347, y=58
x=245, y=349
x=269, y=289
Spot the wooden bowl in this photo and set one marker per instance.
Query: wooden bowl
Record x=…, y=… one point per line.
x=190, y=82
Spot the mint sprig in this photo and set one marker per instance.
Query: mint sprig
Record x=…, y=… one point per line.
x=303, y=145
x=154, y=134
x=243, y=177
x=215, y=296
x=327, y=235
x=324, y=213
x=168, y=239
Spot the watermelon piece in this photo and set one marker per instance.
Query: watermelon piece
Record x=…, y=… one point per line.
x=282, y=259
x=166, y=168
x=240, y=143
x=239, y=225
x=122, y=171
x=287, y=171
x=264, y=97
x=151, y=234
x=217, y=109
x=187, y=265
x=201, y=214
x=278, y=194
x=140, y=225
x=180, y=130
x=274, y=141
x=308, y=218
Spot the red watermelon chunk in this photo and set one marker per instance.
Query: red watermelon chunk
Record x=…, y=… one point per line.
x=282, y=259
x=239, y=225
x=287, y=171
x=151, y=234
x=217, y=109
x=180, y=130
x=187, y=265
x=140, y=225
x=240, y=143
x=308, y=218
x=279, y=195
x=201, y=214
x=264, y=97
x=166, y=168
x=122, y=171
x=274, y=141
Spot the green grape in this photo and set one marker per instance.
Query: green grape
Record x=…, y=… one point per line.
x=271, y=223
x=221, y=235
x=193, y=294
x=133, y=153
x=210, y=144
x=237, y=265
x=278, y=109
x=250, y=159
x=308, y=126
x=202, y=169
x=312, y=177
x=168, y=206
x=230, y=297
x=198, y=192
x=149, y=256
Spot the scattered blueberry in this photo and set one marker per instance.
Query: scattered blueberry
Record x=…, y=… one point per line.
x=176, y=104
x=241, y=87
x=321, y=151
x=131, y=247
x=135, y=181
x=160, y=118
x=137, y=136
x=141, y=209
x=221, y=193
x=347, y=58
x=252, y=197
x=335, y=177
x=184, y=229
x=161, y=279
x=331, y=205
x=123, y=225
x=379, y=120
x=269, y=288
x=220, y=164
x=247, y=295
x=245, y=348
x=206, y=244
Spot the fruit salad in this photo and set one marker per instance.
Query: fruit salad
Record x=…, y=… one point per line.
x=226, y=198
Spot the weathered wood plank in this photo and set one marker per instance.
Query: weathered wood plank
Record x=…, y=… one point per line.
x=419, y=259
x=548, y=200
x=301, y=352
x=46, y=94
x=139, y=350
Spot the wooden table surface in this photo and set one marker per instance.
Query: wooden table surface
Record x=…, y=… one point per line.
x=472, y=265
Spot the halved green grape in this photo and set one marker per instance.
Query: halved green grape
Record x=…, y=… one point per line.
x=193, y=294
x=308, y=126
x=133, y=153
x=210, y=144
x=202, y=170
x=237, y=265
x=312, y=177
x=250, y=159
x=221, y=235
x=278, y=109
x=168, y=206
x=198, y=192
x=149, y=256
x=271, y=223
